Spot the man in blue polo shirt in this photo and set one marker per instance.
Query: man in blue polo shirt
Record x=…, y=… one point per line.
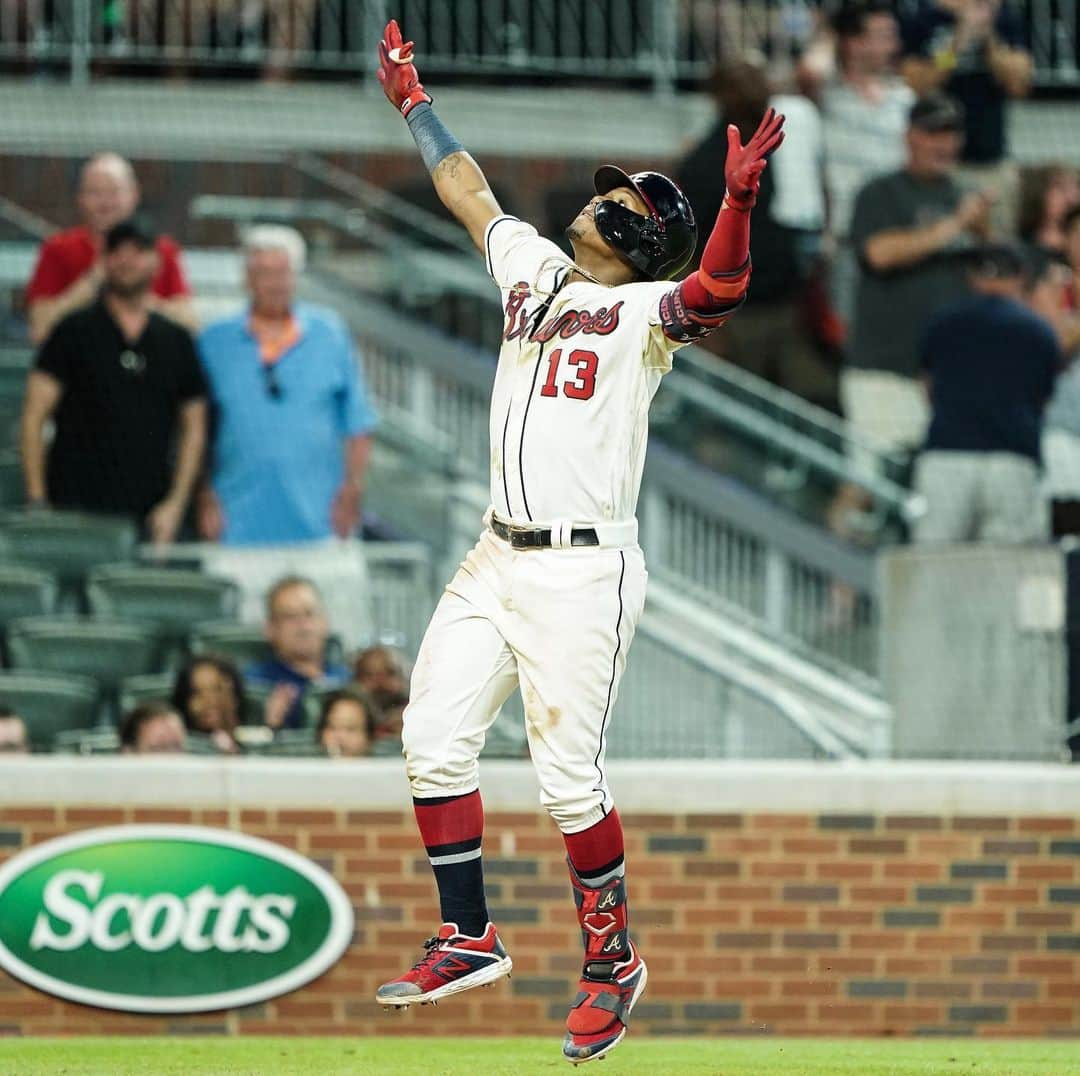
x=292, y=421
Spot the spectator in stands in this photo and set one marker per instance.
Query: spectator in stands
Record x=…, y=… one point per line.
x=209, y=695
x=70, y=268
x=298, y=631
x=13, y=736
x=906, y=229
x=1047, y=195
x=390, y=707
x=293, y=425
x=976, y=51
x=347, y=724
x=770, y=339
x=153, y=728
x=990, y=364
x=125, y=390
x=382, y=669
x=864, y=114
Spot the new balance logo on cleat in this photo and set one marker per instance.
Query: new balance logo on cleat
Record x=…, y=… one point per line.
x=452, y=963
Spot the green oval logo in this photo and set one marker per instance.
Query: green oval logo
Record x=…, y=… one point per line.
x=160, y=919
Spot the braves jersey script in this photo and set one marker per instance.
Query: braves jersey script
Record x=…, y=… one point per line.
x=578, y=368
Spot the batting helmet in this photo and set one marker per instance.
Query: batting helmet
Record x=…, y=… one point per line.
x=659, y=245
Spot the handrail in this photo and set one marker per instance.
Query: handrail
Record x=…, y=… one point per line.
x=379, y=198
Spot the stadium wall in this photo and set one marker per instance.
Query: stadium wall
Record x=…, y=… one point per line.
x=779, y=898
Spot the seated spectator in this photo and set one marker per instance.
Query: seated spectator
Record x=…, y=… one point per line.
x=1047, y=196
x=346, y=724
x=125, y=392
x=770, y=339
x=391, y=715
x=298, y=631
x=976, y=51
x=153, y=728
x=209, y=695
x=13, y=736
x=990, y=363
x=382, y=669
x=292, y=421
x=70, y=268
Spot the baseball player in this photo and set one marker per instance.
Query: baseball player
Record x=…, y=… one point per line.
x=549, y=598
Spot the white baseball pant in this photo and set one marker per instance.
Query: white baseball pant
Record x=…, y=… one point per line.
x=557, y=622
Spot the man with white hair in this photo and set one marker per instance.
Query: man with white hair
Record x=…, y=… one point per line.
x=69, y=271
x=292, y=421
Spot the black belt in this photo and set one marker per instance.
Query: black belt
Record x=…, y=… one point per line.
x=539, y=537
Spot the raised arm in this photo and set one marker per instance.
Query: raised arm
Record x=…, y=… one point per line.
x=458, y=181
x=707, y=298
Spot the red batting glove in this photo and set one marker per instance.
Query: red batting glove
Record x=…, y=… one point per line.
x=398, y=76
x=744, y=165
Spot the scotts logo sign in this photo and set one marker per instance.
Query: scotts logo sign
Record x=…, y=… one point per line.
x=168, y=918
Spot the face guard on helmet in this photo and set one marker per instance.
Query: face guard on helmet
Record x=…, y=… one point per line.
x=660, y=245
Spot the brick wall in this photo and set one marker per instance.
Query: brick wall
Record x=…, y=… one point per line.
x=789, y=923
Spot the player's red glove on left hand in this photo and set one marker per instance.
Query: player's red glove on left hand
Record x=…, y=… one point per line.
x=744, y=165
x=397, y=73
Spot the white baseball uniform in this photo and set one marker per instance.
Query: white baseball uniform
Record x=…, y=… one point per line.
x=577, y=371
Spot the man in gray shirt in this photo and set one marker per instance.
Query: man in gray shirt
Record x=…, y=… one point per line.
x=906, y=229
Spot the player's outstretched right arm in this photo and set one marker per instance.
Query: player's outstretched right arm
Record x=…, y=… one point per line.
x=460, y=184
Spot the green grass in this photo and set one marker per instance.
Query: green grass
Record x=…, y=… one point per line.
x=641, y=1056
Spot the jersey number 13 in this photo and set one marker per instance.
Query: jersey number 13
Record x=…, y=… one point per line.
x=583, y=385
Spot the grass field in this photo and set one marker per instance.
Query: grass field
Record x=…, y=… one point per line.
x=511, y=1057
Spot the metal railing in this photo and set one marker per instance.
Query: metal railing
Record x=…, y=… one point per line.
x=795, y=451
x=706, y=535
x=644, y=42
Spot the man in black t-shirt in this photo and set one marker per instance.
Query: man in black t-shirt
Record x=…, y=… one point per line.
x=975, y=50
x=127, y=396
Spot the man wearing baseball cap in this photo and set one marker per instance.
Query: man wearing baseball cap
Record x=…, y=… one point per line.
x=125, y=390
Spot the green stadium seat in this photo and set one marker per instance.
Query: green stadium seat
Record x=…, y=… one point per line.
x=11, y=480
x=10, y=414
x=150, y=687
x=14, y=366
x=292, y=743
x=245, y=644
x=172, y=600
x=67, y=543
x=87, y=742
x=50, y=703
x=107, y=651
x=25, y=591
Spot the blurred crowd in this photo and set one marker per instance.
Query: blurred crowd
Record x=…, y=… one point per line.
x=907, y=274
x=302, y=697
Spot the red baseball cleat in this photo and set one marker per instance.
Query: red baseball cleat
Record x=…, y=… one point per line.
x=600, y=1012
x=612, y=977
x=454, y=962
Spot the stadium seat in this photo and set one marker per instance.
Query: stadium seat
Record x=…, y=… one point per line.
x=245, y=644
x=50, y=703
x=11, y=481
x=87, y=742
x=151, y=687
x=67, y=543
x=293, y=743
x=107, y=651
x=172, y=600
x=25, y=591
